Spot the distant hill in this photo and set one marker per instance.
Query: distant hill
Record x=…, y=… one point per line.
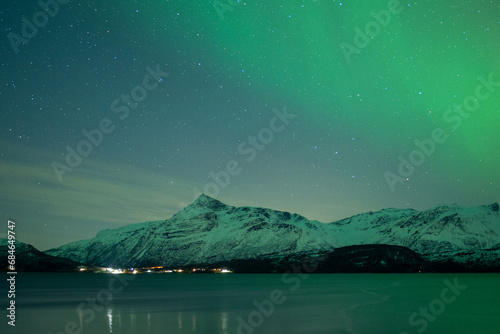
x=30, y=259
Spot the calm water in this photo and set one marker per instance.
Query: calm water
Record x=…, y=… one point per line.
x=231, y=303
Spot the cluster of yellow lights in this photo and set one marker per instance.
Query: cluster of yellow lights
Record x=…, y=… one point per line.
x=156, y=270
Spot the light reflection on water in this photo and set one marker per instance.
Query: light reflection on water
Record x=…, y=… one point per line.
x=194, y=304
x=184, y=321
x=110, y=319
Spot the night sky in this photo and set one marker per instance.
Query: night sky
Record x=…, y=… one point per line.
x=123, y=112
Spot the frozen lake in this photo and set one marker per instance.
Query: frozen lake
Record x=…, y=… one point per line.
x=244, y=303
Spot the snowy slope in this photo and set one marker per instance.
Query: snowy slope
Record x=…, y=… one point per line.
x=205, y=231
x=209, y=231
x=440, y=229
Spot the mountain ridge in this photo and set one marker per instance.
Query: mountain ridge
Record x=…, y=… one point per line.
x=30, y=259
x=209, y=231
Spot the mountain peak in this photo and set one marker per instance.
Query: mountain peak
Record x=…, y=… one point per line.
x=206, y=201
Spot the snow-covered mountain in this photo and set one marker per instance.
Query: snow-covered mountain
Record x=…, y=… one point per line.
x=208, y=231
x=204, y=232
x=444, y=228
